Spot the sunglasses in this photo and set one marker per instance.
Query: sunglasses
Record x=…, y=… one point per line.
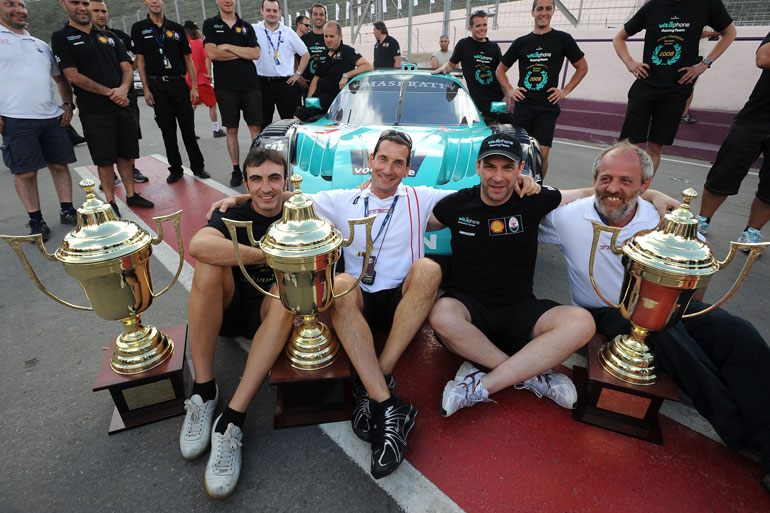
x=306, y=24
x=482, y=12
x=398, y=135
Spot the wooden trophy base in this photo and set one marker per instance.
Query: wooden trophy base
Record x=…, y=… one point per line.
x=152, y=395
x=610, y=403
x=312, y=396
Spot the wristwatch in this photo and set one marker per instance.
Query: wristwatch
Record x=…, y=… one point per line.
x=708, y=62
x=69, y=104
x=345, y=76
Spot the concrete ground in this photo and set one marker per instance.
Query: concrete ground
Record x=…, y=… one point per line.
x=53, y=429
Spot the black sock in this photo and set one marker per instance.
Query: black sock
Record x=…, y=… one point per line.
x=746, y=229
x=230, y=416
x=35, y=215
x=65, y=206
x=708, y=219
x=236, y=167
x=207, y=391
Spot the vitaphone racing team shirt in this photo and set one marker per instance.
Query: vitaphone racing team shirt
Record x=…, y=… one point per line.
x=479, y=61
x=316, y=47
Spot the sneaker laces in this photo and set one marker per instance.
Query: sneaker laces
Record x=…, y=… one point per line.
x=394, y=420
x=226, y=448
x=539, y=385
x=197, y=415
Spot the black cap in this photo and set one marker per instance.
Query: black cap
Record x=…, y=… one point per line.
x=190, y=24
x=500, y=144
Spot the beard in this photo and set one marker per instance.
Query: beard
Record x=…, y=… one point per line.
x=616, y=214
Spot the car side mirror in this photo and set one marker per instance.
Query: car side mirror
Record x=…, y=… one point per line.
x=315, y=103
x=498, y=107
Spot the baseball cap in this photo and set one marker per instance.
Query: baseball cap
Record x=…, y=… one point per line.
x=189, y=24
x=500, y=144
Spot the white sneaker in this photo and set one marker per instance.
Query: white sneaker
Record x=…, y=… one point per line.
x=703, y=225
x=465, y=369
x=553, y=385
x=224, y=464
x=465, y=391
x=196, y=428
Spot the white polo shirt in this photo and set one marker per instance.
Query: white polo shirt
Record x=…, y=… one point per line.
x=399, y=244
x=283, y=39
x=26, y=67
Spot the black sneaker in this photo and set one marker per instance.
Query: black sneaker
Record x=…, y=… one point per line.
x=395, y=419
x=139, y=202
x=236, y=179
x=139, y=177
x=38, y=226
x=117, y=182
x=202, y=174
x=362, y=421
x=220, y=133
x=115, y=208
x=174, y=177
x=69, y=216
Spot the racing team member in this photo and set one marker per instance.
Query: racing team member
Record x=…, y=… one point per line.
x=314, y=41
x=387, y=52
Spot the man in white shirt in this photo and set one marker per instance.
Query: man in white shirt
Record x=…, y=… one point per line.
x=32, y=123
x=275, y=65
x=442, y=56
x=719, y=360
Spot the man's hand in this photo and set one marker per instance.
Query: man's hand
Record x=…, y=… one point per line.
x=294, y=79
x=517, y=94
x=638, y=69
x=303, y=83
x=526, y=186
x=120, y=99
x=692, y=72
x=223, y=205
x=343, y=81
x=149, y=99
x=65, y=118
x=556, y=95
x=664, y=204
x=194, y=97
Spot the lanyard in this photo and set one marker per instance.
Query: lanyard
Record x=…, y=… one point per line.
x=160, y=39
x=384, y=221
x=275, y=48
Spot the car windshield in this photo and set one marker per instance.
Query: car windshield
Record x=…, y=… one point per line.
x=425, y=100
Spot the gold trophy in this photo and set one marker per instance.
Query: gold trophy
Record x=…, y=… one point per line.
x=664, y=268
x=110, y=259
x=302, y=250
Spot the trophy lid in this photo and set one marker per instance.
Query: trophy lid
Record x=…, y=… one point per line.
x=100, y=235
x=673, y=246
x=300, y=233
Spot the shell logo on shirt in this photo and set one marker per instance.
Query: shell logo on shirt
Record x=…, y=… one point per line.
x=496, y=226
x=505, y=225
x=238, y=29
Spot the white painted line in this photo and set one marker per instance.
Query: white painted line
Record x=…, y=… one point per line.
x=224, y=189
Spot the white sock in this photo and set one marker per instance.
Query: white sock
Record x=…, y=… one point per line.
x=215, y=125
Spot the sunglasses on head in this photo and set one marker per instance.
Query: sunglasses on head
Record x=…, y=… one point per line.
x=481, y=12
x=398, y=135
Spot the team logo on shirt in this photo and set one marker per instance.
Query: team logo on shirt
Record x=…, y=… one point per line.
x=238, y=29
x=496, y=227
x=666, y=55
x=505, y=225
x=39, y=50
x=106, y=40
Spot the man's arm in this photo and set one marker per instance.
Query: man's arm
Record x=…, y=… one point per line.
x=194, y=98
x=149, y=99
x=216, y=53
x=65, y=91
x=362, y=66
x=433, y=62
x=85, y=83
x=763, y=56
x=446, y=68
x=692, y=72
x=300, y=69
x=312, y=88
x=211, y=247
x=397, y=62
x=637, y=69
x=509, y=92
x=581, y=68
x=242, y=52
x=570, y=195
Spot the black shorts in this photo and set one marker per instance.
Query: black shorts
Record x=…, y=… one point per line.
x=30, y=144
x=111, y=136
x=232, y=103
x=242, y=316
x=539, y=120
x=740, y=149
x=380, y=307
x=510, y=326
x=653, y=114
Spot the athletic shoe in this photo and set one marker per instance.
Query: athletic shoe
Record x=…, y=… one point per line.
x=465, y=390
x=139, y=202
x=703, y=225
x=236, y=179
x=688, y=119
x=196, y=428
x=115, y=208
x=174, y=176
x=38, y=226
x=69, y=216
x=395, y=418
x=224, y=464
x=202, y=174
x=220, y=133
x=139, y=177
x=362, y=421
x=553, y=385
x=117, y=182
x=750, y=236
x=197, y=137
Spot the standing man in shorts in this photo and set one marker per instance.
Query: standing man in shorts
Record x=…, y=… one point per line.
x=540, y=55
x=96, y=63
x=203, y=75
x=232, y=46
x=32, y=124
x=669, y=67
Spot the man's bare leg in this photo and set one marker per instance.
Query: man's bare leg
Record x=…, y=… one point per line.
x=107, y=178
x=654, y=150
x=254, y=131
x=710, y=202
x=26, y=188
x=62, y=181
x=232, y=144
x=126, y=172
x=759, y=214
x=545, y=150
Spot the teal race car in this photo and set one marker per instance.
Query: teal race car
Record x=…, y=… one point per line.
x=332, y=152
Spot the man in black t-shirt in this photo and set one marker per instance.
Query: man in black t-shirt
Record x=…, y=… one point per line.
x=96, y=63
x=163, y=58
x=479, y=58
x=489, y=315
x=387, y=52
x=231, y=45
x=223, y=302
x=669, y=67
x=540, y=55
x=749, y=136
x=335, y=68
x=314, y=40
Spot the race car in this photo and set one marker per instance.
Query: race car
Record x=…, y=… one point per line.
x=437, y=112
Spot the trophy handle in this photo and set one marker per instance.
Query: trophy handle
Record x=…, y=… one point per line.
x=175, y=217
x=232, y=226
x=15, y=243
x=598, y=229
x=754, y=251
x=368, y=222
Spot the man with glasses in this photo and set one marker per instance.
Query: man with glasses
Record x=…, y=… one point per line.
x=314, y=41
x=442, y=56
x=302, y=26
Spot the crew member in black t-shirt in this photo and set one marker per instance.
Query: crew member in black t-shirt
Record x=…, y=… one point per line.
x=314, y=40
x=490, y=315
x=749, y=136
x=162, y=58
x=96, y=63
x=540, y=55
x=479, y=58
x=387, y=52
x=335, y=69
x=670, y=64
x=231, y=45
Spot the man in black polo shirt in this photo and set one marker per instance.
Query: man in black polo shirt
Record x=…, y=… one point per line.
x=336, y=68
x=314, y=41
x=163, y=58
x=387, y=52
x=479, y=58
x=97, y=65
x=231, y=45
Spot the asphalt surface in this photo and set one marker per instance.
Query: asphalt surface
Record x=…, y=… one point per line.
x=53, y=428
